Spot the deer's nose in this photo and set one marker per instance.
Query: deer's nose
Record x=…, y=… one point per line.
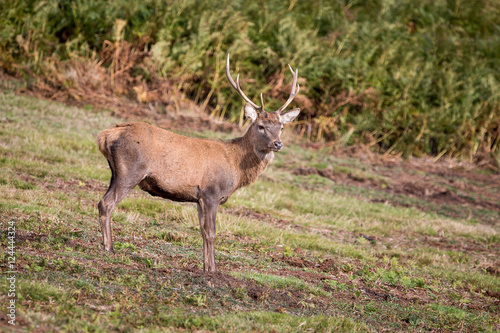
x=278, y=145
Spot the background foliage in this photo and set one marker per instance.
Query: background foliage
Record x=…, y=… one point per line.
x=402, y=76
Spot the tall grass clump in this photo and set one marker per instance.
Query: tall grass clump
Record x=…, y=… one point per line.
x=403, y=76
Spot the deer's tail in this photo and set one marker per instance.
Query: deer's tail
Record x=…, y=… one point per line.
x=106, y=138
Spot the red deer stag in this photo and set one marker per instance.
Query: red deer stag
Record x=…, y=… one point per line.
x=186, y=169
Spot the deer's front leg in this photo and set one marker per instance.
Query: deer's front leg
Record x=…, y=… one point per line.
x=207, y=210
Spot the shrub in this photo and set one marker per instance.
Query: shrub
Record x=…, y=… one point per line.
x=402, y=76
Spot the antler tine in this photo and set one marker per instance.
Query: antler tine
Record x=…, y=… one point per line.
x=293, y=93
x=237, y=87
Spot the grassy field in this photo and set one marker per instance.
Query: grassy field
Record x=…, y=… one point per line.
x=320, y=243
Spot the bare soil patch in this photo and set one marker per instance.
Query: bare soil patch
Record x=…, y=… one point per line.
x=432, y=184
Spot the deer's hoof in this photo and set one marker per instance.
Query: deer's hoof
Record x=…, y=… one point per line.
x=110, y=250
x=210, y=269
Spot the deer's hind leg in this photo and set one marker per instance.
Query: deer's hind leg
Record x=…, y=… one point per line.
x=119, y=187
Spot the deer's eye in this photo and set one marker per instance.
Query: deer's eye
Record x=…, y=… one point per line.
x=261, y=127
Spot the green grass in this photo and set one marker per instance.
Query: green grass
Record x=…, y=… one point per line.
x=295, y=253
x=282, y=282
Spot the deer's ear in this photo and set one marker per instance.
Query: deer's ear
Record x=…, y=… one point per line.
x=289, y=116
x=250, y=112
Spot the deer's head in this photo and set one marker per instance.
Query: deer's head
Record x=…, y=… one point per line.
x=266, y=127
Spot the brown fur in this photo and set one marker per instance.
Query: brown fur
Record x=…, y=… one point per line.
x=181, y=168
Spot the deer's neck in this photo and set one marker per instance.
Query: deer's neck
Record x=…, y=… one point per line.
x=249, y=162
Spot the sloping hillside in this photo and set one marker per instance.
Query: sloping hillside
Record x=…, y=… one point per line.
x=322, y=242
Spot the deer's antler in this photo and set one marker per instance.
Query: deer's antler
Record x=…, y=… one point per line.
x=237, y=87
x=293, y=93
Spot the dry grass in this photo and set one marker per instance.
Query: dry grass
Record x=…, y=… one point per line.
x=295, y=252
